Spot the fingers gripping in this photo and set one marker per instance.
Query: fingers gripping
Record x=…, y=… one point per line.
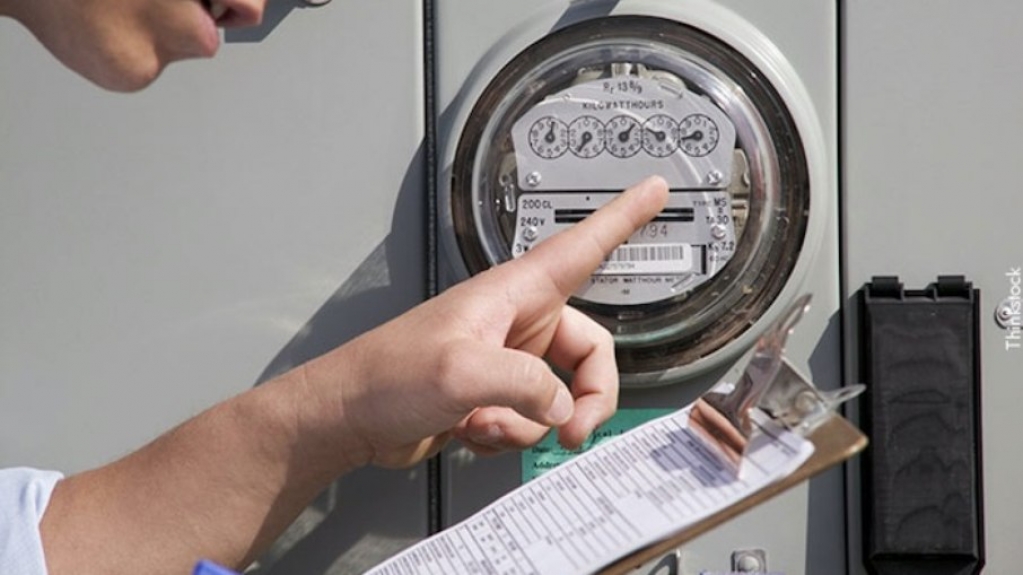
x=580, y=346
x=491, y=429
x=585, y=348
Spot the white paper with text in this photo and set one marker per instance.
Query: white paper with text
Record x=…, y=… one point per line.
x=623, y=495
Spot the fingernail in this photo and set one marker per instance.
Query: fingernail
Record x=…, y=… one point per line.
x=656, y=181
x=492, y=436
x=561, y=409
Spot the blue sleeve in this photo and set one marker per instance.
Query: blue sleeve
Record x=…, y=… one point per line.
x=24, y=494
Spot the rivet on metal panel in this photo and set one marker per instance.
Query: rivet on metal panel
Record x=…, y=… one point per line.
x=1004, y=313
x=749, y=561
x=533, y=179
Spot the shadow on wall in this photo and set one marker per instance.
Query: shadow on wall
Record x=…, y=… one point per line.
x=369, y=514
x=824, y=534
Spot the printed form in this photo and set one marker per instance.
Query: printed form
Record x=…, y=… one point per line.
x=617, y=498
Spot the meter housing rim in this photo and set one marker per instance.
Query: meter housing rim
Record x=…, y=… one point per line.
x=731, y=30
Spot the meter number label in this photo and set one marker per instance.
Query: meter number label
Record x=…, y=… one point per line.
x=648, y=259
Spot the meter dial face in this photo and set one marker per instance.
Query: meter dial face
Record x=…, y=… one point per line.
x=586, y=137
x=698, y=135
x=624, y=137
x=660, y=135
x=592, y=109
x=548, y=137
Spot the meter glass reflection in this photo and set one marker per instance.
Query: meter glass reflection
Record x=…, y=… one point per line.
x=596, y=107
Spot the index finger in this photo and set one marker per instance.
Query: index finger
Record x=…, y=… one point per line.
x=570, y=256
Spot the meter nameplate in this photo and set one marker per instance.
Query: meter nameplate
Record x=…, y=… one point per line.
x=682, y=247
x=608, y=134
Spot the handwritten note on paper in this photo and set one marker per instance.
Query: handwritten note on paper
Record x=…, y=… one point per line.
x=623, y=495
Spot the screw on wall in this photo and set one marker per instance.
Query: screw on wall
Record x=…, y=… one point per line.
x=1004, y=314
x=533, y=179
x=749, y=561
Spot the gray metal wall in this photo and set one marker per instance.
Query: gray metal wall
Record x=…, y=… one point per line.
x=163, y=250
x=931, y=117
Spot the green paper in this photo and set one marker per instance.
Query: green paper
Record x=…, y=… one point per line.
x=549, y=454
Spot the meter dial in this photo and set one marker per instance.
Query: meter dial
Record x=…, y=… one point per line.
x=660, y=135
x=624, y=137
x=695, y=280
x=548, y=137
x=698, y=135
x=586, y=137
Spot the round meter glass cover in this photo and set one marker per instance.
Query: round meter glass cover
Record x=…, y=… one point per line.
x=597, y=106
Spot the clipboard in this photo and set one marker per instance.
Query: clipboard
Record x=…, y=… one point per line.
x=834, y=441
x=773, y=385
x=626, y=501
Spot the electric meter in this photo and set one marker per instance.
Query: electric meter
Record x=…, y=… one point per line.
x=595, y=107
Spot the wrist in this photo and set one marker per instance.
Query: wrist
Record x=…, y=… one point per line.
x=318, y=432
x=317, y=390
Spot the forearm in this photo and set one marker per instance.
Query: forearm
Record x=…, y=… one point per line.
x=465, y=363
x=222, y=485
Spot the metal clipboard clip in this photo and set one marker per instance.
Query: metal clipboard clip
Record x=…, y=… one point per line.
x=723, y=416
